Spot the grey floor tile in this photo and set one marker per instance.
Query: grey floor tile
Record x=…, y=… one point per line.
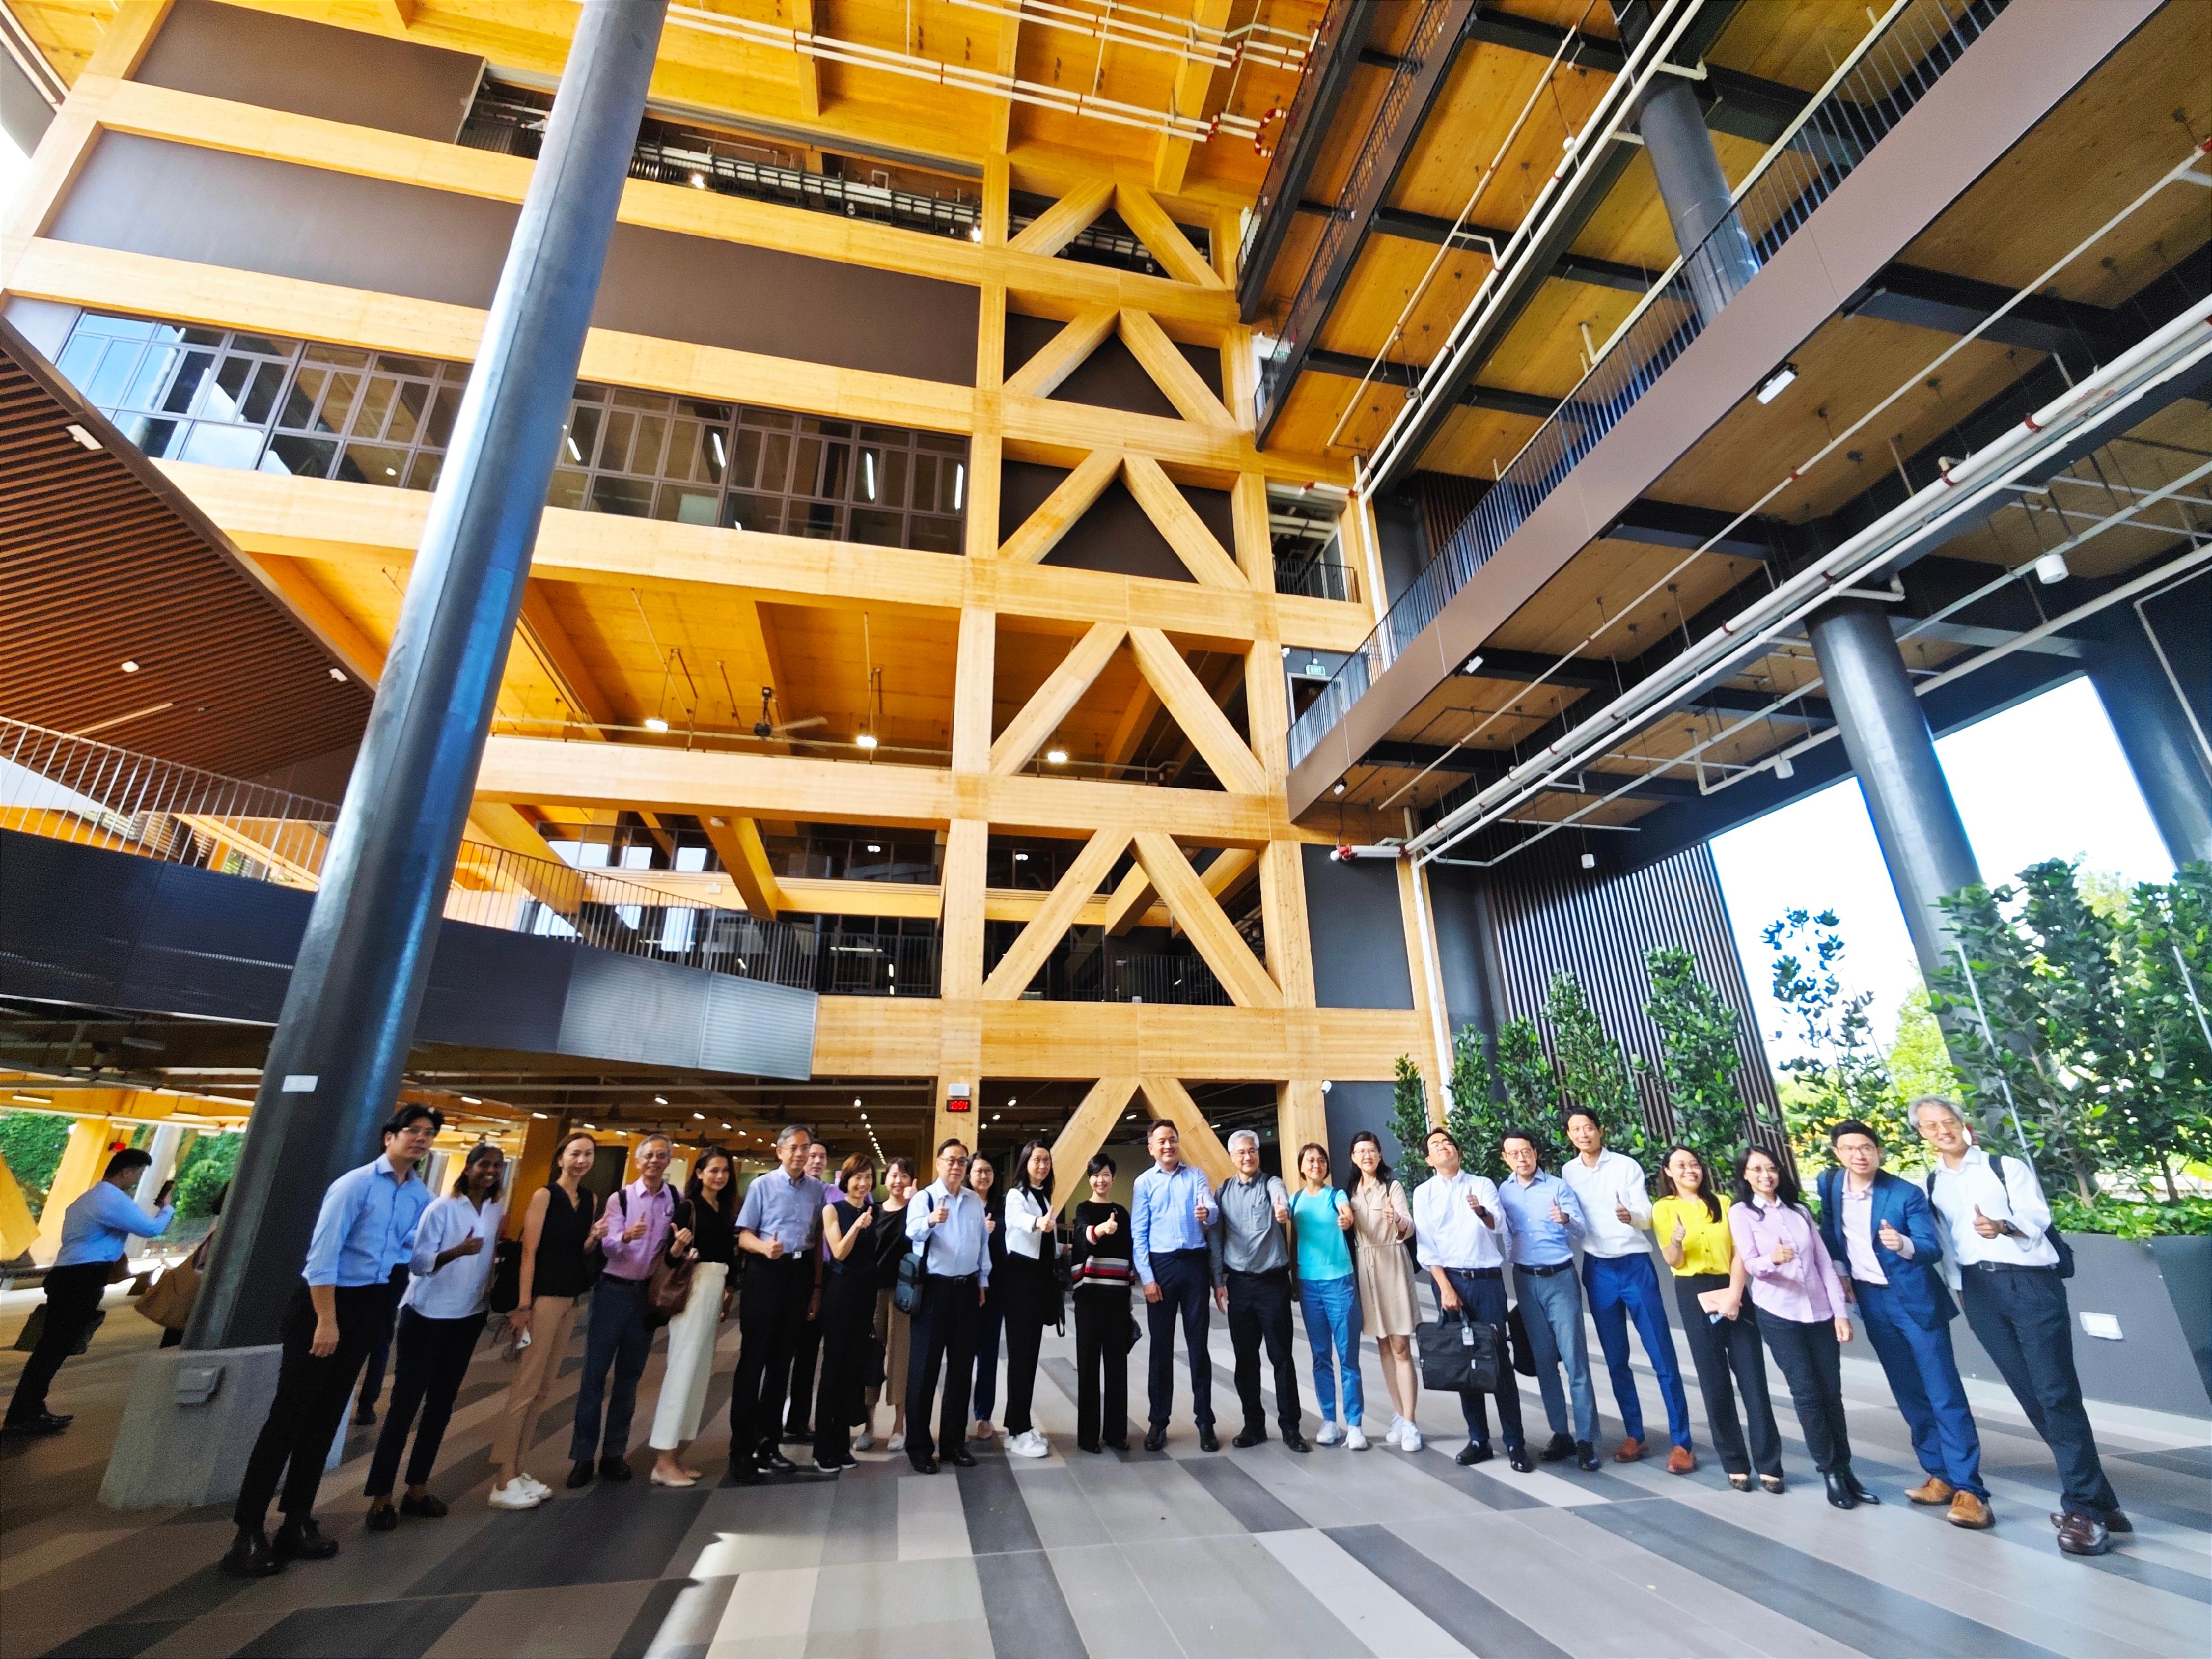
x=1063, y=1517
x=864, y=1512
x=1026, y=1608
x=610, y=1534
x=1457, y=1607
x=576, y=1622
x=401, y=1629
x=1256, y=1509
x=998, y=1518
x=1228, y=1594
x=1112, y=1609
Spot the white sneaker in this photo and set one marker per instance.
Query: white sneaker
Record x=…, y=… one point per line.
x=1409, y=1438
x=1397, y=1429
x=1355, y=1437
x=514, y=1495
x=863, y=1441
x=1330, y=1434
x=537, y=1486
x=896, y=1443
x=1029, y=1443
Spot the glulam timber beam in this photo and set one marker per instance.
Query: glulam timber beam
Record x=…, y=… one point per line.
x=1332, y=61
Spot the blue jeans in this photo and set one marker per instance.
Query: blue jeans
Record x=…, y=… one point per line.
x=1552, y=1313
x=615, y=1337
x=1331, y=1310
x=1622, y=1288
x=1923, y=1376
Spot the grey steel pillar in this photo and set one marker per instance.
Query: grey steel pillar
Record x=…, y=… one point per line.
x=1691, y=182
x=2164, y=750
x=333, y=1072
x=1907, y=796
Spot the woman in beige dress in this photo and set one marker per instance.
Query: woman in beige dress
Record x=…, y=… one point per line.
x=1382, y=1222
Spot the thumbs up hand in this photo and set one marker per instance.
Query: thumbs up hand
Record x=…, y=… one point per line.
x=1891, y=1238
x=1784, y=1254
x=1681, y=1229
x=1984, y=1226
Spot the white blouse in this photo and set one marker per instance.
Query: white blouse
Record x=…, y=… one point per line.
x=456, y=1289
x=1023, y=1238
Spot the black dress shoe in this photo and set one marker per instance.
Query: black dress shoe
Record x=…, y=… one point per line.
x=1248, y=1439
x=801, y=1433
x=1207, y=1440
x=1155, y=1437
x=250, y=1557
x=1121, y=1445
x=1296, y=1443
x=428, y=1507
x=303, y=1540
x=614, y=1468
x=580, y=1473
x=1083, y=1446
x=1475, y=1451
x=383, y=1518
x=1852, y=1484
x=365, y=1418
x=1557, y=1448
x=923, y=1465
x=773, y=1461
x=1586, y=1457
x=2116, y=1521
x=742, y=1473
x=1517, y=1460
x=1840, y=1494
x=44, y=1423
x=961, y=1457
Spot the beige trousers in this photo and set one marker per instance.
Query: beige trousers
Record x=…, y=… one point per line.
x=536, y=1368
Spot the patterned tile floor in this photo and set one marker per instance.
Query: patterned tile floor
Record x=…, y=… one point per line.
x=1258, y=1551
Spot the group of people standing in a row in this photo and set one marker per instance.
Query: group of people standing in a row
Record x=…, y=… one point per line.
x=910, y=1294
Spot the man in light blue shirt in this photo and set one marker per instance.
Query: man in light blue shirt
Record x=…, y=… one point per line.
x=366, y=1229
x=1170, y=1212
x=946, y=1225
x=1547, y=1217
x=94, y=1231
x=778, y=1225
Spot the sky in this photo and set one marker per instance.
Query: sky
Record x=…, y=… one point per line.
x=2043, y=779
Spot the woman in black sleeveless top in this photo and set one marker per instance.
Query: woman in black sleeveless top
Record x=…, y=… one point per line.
x=558, y=1232
x=894, y=1329
x=851, y=1253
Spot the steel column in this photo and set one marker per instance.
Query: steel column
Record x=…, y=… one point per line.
x=2163, y=749
x=1886, y=734
x=334, y=1066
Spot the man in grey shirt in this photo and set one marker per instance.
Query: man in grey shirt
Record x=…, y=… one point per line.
x=1250, y=1244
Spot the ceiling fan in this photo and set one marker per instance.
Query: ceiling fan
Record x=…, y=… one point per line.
x=764, y=727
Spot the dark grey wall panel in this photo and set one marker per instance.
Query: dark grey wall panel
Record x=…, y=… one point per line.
x=25, y=114
x=1110, y=377
x=769, y=1028
x=1350, y=1107
x=1115, y=534
x=496, y=990
x=143, y=196
x=1359, y=937
x=1466, y=947
x=312, y=69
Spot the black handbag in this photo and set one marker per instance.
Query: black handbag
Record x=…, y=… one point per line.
x=913, y=1273
x=1516, y=1333
x=1460, y=1355
x=506, y=1293
x=873, y=1369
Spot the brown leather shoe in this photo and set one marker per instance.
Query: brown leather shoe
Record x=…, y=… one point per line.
x=1631, y=1450
x=1681, y=1461
x=1932, y=1491
x=1968, y=1511
x=2083, y=1535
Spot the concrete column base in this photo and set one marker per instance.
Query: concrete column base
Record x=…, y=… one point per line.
x=181, y=1445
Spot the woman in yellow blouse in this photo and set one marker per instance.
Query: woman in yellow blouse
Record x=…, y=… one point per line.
x=1691, y=1223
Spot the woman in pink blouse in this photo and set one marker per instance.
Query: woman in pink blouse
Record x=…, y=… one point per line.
x=1800, y=1303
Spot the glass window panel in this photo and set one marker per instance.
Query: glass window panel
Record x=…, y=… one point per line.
x=952, y=487
x=155, y=438
x=836, y=471
x=761, y=512
x=774, y=419
x=389, y=364
x=567, y=489
x=581, y=441
x=337, y=402
x=925, y=480
x=111, y=378
x=689, y=504
x=882, y=434
x=614, y=442
x=714, y=454
x=300, y=399
x=376, y=463
x=877, y=527
x=406, y=423
x=819, y=520
x=265, y=345
x=651, y=439
x=204, y=337
x=827, y=429
x=80, y=357
x=745, y=466
x=422, y=471
x=631, y=497
x=630, y=397
x=682, y=451
x=178, y=398
x=775, y=463
x=869, y=485
x=933, y=535
x=343, y=357
x=944, y=442
x=890, y=486
x=439, y=430
x=261, y=395
x=223, y=445
x=303, y=457
x=690, y=858
x=806, y=466
x=123, y=328
x=587, y=393
x=221, y=396
x=375, y=403
x=700, y=410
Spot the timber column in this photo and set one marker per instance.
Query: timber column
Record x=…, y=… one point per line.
x=1916, y=821
x=334, y=1066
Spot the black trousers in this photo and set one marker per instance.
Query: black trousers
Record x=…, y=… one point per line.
x=72, y=1299
x=2018, y=1316
x=1181, y=1276
x=1731, y=1360
x=944, y=1328
x=434, y=1357
x=379, y=1348
x=1103, y=1326
x=1025, y=1292
x=847, y=1321
x=1259, y=1312
x=1481, y=1291
x=771, y=1313
x=799, y=1397
x=1813, y=1365
x=311, y=1401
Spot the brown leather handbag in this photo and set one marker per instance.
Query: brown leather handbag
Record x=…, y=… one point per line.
x=668, y=1288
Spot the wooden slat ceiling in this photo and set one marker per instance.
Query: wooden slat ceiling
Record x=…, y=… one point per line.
x=102, y=563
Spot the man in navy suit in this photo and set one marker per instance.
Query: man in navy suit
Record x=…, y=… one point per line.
x=1881, y=1233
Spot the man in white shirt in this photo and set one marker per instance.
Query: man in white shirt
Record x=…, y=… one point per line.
x=1462, y=1238
x=1997, y=1228
x=1622, y=1285
x=945, y=1221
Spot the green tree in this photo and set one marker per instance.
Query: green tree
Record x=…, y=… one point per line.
x=205, y=1168
x=1698, y=1057
x=1477, y=1117
x=1530, y=1085
x=1409, y=1123
x=2164, y=1117
x=31, y=1143
x=1593, y=1073
x=1843, y=1072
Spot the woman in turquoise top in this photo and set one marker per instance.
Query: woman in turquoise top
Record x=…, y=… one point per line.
x=1321, y=1219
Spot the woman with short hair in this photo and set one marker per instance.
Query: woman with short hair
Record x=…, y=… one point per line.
x=1382, y=1220
x=558, y=1232
x=702, y=1230
x=849, y=1222
x=1101, y=1273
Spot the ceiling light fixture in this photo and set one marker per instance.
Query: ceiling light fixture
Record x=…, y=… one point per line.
x=866, y=741
x=2052, y=569
x=976, y=233
x=1338, y=788
x=129, y=665
x=660, y=1100
x=82, y=436
x=1471, y=663
x=1021, y=857
x=339, y=675
x=1776, y=383
x=702, y=1116
x=1589, y=860
x=1055, y=755
x=470, y=1100
x=539, y=1116
x=874, y=846
x=1785, y=767
x=654, y=723
x=856, y=1100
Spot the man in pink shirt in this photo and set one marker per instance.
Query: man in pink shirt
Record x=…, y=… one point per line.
x=630, y=1232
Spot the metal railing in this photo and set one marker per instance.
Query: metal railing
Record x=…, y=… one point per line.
x=1893, y=68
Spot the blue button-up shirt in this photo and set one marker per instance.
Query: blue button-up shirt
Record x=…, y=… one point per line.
x=366, y=1225
x=958, y=1248
x=1539, y=1241
x=95, y=1227
x=776, y=1206
x=1164, y=1214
